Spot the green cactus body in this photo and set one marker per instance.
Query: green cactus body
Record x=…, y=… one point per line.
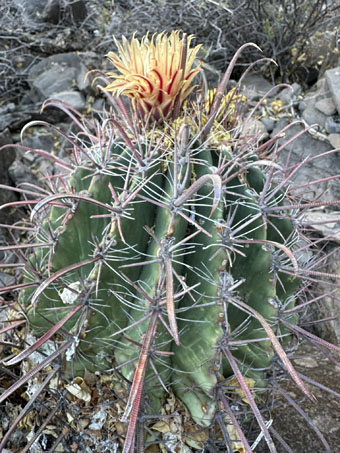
x=169, y=230
x=195, y=361
x=74, y=243
x=234, y=247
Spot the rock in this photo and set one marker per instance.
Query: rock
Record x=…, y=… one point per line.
x=6, y=115
x=21, y=174
x=6, y=279
x=313, y=116
x=333, y=79
x=255, y=86
x=255, y=127
x=53, y=81
x=318, y=93
x=74, y=98
x=79, y=11
x=332, y=126
x=43, y=167
x=51, y=12
x=2, y=242
x=326, y=166
x=334, y=140
x=57, y=74
x=302, y=106
x=39, y=140
x=289, y=95
x=326, y=106
x=327, y=224
x=268, y=123
x=98, y=105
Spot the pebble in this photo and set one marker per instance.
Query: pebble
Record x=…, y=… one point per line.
x=334, y=140
x=268, y=123
x=313, y=116
x=332, y=126
x=333, y=80
x=326, y=106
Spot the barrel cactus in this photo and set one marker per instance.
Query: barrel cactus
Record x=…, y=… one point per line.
x=169, y=249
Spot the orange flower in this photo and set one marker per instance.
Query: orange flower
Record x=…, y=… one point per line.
x=152, y=74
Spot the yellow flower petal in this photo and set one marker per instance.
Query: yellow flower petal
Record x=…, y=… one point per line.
x=150, y=72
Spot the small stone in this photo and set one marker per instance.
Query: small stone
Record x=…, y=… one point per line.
x=255, y=127
x=255, y=86
x=326, y=224
x=306, y=362
x=54, y=80
x=302, y=106
x=98, y=105
x=288, y=95
x=57, y=74
x=333, y=80
x=79, y=11
x=334, y=140
x=322, y=88
x=6, y=279
x=268, y=123
x=326, y=106
x=313, y=116
x=51, y=12
x=21, y=174
x=74, y=98
x=332, y=126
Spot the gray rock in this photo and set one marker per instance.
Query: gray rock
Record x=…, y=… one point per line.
x=334, y=140
x=313, y=116
x=51, y=12
x=79, y=11
x=268, y=123
x=74, y=98
x=327, y=224
x=326, y=106
x=98, y=105
x=38, y=141
x=44, y=167
x=302, y=106
x=324, y=166
x=21, y=174
x=333, y=79
x=255, y=127
x=255, y=86
x=6, y=279
x=332, y=126
x=288, y=95
x=56, y=74
x=2, y=242
x=325, y=414
x=318, y=93
x=322, y=88
x=308, y=102
x=54, y=80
